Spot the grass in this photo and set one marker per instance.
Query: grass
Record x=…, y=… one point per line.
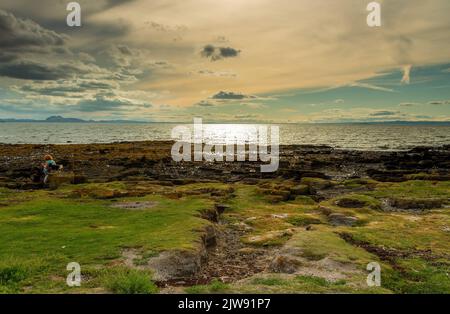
x=130, y=281
x=54, y=230
x=216, y=286
x=418, y=276
x=282, y=283
x=42, y=231
x=301, y=221
x=323, y=242
x=272, y=281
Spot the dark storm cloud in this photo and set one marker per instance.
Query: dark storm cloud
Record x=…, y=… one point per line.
x=107, y=29
x=69, y=80
x=114, y=3
x=22, y=34
x=7, y=57
x=31, y=70
x=66, y=88
x=217, y=53
x=31, y=52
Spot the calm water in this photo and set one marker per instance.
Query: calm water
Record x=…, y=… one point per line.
x=354, y=136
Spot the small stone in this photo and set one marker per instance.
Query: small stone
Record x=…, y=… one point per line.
x=280, y=216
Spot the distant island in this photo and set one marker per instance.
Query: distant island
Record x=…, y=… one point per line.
x=61, y=119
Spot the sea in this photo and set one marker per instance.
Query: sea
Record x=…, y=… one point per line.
x=356, y=136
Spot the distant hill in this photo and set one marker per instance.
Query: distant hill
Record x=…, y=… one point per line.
x=60, y=119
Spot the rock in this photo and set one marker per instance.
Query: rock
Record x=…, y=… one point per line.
x=415, y=204
x=79, y=179
x=274, y=199
x=242, y=226
x=269, y=236
x=221, y=208
x=210, y=214
x=325, y=210
x=350, y=203
x=107, y=194
x=316, y=184
x=301, y=189
x=284, y=264
x=310, y=174
x=135, y=205
x=337, y=219
x=210, y=236
x=58, y=178
x=389, y=176
x=280, y=216
x=176, y=264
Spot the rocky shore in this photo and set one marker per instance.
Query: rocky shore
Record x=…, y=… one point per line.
x=135, y=161
x=199, y=227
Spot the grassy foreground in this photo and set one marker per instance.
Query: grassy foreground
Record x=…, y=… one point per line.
x=94, y=224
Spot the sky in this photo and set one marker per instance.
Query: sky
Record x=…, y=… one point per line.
x=226, y=61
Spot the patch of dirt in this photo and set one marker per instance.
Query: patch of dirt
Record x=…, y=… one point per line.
x=391, y=254
x=135, y=205
x=229, y=260
x=291, y=260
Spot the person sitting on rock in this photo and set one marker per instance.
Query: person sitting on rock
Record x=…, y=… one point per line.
x=48, y=166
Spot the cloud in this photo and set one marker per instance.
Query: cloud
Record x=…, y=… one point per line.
x=32, y=52
x=205, y=103
x=439, y=102
x=102, y=103
x=254, y=105
x=66, y=88
x=216, y=73
x=165, y=27
x=246, y=116
x=408, y=104
x=114, y=3
x=222, y=95
x=383, y=113
x=371, y=86
x=406, y=74
x=22, y=35
x=217, y=53
x=31, y=70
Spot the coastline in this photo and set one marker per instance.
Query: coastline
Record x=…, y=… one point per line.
x=151, y=160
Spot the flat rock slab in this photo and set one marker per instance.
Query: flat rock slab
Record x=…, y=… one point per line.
x=135, y=205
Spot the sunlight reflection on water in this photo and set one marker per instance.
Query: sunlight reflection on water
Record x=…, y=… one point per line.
x=354, y=136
